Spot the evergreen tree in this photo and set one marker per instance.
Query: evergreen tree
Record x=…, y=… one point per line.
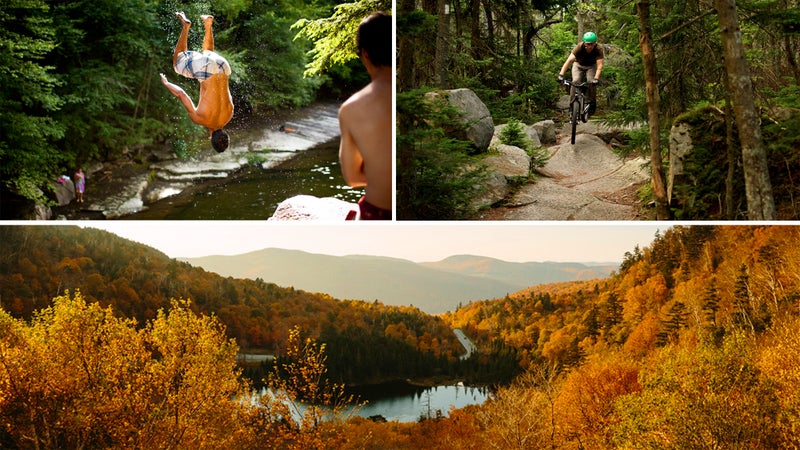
x=675, y=321
x=710, y=305
x=743, y=310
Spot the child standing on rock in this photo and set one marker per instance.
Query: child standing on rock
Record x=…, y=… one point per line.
x=80, y=184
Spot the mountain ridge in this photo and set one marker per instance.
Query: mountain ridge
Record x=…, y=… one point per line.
x=434, y=287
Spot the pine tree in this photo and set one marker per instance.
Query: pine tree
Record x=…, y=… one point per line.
x=672, y=325
x=741, y=294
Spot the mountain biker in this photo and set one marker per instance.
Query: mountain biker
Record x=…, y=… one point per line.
x=587, y=61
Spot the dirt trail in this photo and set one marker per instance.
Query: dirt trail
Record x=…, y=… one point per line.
x=585, y=181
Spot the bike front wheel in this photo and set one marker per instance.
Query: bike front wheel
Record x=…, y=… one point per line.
x=575, y=113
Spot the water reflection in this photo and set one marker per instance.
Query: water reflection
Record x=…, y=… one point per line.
x=404, y=403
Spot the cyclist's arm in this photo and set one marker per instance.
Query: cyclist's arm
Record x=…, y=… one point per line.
x=599, y=70
x=566, y=65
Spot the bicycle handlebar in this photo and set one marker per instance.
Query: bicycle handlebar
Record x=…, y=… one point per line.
x=584, y=84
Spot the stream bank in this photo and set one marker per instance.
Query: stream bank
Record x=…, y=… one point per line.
x=125, y=189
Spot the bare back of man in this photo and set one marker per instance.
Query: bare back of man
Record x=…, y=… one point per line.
x=366, y=123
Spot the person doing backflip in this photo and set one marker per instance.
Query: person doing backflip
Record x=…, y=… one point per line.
x=365, y=122
x=587, y=63
x=215, y=107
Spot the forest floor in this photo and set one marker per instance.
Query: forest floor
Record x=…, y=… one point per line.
x=584, y=181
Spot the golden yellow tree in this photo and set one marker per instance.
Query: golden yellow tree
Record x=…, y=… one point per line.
x=587, y=396
x=779, y=358
x=304, y=410
x=78, y=376
x=522, y=415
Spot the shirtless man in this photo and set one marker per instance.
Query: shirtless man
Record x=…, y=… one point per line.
x=365, y=121
x=215, y=107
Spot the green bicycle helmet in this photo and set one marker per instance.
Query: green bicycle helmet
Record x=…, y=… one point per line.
x=589, y=37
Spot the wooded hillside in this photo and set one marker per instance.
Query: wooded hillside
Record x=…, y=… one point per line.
x=693, y=343
x=39, y=263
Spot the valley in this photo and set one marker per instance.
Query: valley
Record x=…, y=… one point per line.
x=697, y=329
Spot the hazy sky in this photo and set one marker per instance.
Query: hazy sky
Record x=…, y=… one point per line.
x=573, y=242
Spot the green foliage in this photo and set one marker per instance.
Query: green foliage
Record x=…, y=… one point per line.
x=782, y=140
x=512, y=134
x=334, y=37
x=105, y=94
x=271, y=57
x=29, y=156
x=788, y=95
x=96, y=95
x=700, y=192
x=436, y=177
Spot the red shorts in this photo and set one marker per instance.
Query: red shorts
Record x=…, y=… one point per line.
x=372, y=212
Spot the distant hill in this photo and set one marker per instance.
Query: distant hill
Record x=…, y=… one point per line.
x=434, y=287
x=527, y=273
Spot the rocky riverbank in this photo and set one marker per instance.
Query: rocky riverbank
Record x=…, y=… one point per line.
x=123, y=187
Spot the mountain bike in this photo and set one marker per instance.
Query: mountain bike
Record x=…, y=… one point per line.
x=579, y=106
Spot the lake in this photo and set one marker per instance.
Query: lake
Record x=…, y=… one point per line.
x=406, y=403
x=403, y=402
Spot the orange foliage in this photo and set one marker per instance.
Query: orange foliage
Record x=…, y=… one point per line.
x=586, y=400
x=643, y=338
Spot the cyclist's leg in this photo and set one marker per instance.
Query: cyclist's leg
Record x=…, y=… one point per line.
x=578, y=73
x=592, y=94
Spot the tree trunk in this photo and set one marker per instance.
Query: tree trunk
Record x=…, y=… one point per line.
x=425, y=50
x=790, y=48
x=760, y=204
x=442, y=43
x=475, y=30
x=580, y=18
x=730, y=206
x=651, y=83
x=487, y=10
x=405, y=51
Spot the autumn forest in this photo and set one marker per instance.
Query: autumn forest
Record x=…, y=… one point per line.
x=692, y=343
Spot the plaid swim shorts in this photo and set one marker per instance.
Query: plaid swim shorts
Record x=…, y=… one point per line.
x=201, y=65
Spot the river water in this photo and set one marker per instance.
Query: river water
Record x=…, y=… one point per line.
x=254, y=192
x=269, y=160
